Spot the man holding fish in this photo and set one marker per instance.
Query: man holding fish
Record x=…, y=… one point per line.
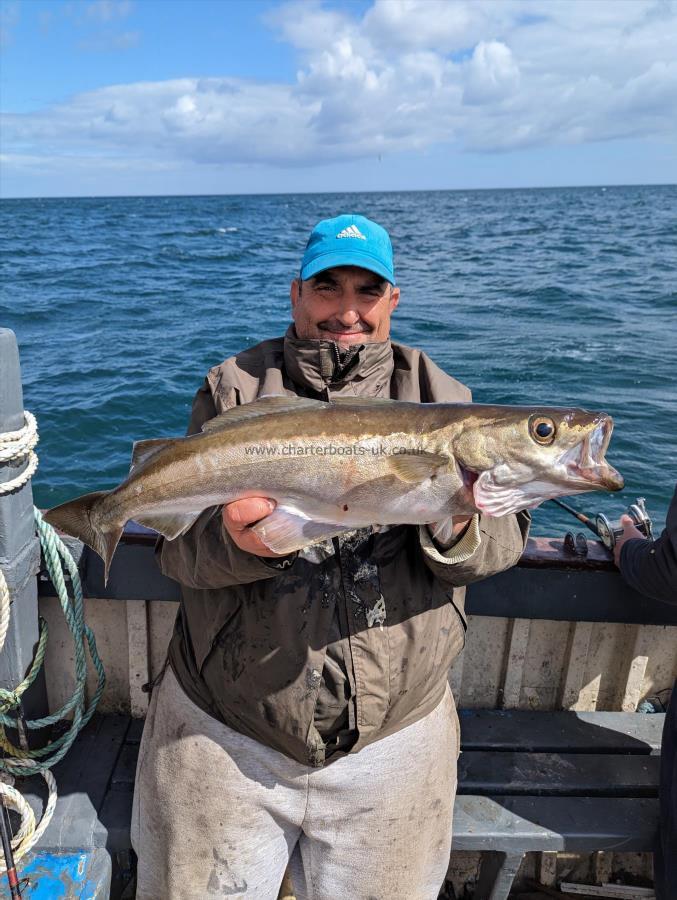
x=338, y=492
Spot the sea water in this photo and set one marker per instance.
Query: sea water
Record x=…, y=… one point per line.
x=563, y=296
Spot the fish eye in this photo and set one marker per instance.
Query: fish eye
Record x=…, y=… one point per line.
x=542, y=429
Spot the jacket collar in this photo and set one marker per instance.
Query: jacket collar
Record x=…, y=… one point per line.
x=364, y=369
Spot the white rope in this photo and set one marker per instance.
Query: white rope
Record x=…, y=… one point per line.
x=19, y=445
x=16, y=446
x=14, y=799
x=28, y=835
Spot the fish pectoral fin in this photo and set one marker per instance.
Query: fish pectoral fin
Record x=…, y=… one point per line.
x=286, y=530
x=143, y=450
x=272, y=403
x=169, y=525
x=416, y=467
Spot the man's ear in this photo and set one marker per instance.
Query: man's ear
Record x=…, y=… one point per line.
x=294, y=292
x=394, y=298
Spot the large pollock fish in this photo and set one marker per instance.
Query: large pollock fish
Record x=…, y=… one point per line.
x=351, y=463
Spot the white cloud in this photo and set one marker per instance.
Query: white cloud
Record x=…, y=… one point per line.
x=204, y=120
x=451, y=27
x=492, y=74
x=408, y=75
x=304, y=23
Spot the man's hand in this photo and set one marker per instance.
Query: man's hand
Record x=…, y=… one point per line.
x=239, y=515
x=630, y=532
x=459, y=525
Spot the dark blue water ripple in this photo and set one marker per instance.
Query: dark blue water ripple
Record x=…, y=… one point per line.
x=561, y=296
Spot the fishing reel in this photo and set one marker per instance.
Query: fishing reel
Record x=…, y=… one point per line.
x=609, y=531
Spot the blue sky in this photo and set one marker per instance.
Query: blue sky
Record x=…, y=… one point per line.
x=220, y=96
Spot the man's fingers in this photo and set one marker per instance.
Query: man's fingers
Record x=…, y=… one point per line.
x=630, y=530
x=239, y=514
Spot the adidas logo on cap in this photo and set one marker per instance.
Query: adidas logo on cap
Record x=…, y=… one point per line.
x=352, y=231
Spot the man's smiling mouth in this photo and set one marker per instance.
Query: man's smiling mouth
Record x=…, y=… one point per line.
x=343, y=335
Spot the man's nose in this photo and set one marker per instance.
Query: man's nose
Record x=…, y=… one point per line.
x=348, y=314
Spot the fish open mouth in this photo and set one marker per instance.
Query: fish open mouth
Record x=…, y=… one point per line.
x=468, y=482
x=503, y=490
x=586, y=463
x=469, y=479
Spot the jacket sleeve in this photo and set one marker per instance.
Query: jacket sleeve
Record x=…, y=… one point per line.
x=650, y=567
x=488, y=546
x=205, y=557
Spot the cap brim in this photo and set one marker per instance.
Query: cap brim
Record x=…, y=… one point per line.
x=346, y=258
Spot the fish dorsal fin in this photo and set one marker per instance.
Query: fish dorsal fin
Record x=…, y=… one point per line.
x=364, y=401
x=143, y=450
x=271, y=403
x=416, y=467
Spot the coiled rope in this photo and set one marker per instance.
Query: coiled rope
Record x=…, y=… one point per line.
x=19, y=446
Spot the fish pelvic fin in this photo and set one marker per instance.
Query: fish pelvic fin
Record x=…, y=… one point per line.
x=443, y=532
x=75, y=518
x=287, y=529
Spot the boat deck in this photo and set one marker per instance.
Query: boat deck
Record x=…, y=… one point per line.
x=527, y=781
x=91, y=821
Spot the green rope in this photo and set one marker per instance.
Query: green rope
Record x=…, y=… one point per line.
x=57, y=557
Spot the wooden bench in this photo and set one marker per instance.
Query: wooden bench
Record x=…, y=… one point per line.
x=528, y=781
x=539, y=781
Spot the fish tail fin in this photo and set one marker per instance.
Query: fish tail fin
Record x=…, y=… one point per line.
x=75, y=518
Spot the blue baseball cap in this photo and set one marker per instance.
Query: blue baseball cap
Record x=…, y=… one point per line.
x=348, y=241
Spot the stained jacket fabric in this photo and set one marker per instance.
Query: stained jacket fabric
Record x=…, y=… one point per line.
x=370, y=623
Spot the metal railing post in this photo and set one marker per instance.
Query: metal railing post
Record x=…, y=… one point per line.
x=19, y=545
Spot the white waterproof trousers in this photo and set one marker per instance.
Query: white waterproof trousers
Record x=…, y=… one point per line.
x=217, y=814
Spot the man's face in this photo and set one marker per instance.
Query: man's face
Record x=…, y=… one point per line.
x=347, y=304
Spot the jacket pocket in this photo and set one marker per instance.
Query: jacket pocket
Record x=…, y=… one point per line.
x=451, y=631
x=209, y=615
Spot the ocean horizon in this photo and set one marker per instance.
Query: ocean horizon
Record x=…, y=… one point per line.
x=536, y=187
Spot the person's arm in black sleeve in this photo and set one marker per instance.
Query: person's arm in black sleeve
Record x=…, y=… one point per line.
x=650, y=567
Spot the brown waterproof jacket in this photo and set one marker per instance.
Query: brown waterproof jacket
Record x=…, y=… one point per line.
x=370, y=622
